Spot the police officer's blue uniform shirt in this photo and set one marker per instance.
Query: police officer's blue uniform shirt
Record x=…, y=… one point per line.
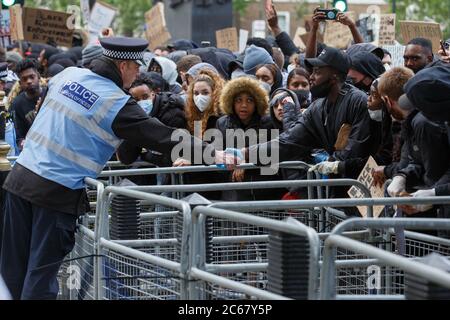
x=72, y=136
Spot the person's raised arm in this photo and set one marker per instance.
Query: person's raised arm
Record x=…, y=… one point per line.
x=282, y=39
x=311, y=44
x=347, y=21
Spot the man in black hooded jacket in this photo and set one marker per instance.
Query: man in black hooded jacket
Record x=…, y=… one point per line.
x=337, y=121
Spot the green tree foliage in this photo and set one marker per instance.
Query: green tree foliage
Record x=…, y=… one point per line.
x=437, y=10
x=240, y=6
x=239, y=10
x=302, y=9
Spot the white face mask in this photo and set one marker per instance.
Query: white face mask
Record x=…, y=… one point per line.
x=387, y=66
x=202, y=102
x=291, y=67
x=146, y=105
x=376, y=115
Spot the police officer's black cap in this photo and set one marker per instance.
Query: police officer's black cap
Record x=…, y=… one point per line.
x=124, y=48
x=3, y=70
x=330, y=57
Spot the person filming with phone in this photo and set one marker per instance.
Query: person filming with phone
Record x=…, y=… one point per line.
x=337, y=17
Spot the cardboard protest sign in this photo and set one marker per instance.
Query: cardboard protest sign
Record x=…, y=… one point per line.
x=366, y=179
x=428, y=30
x=387, y=29
x=338, y=35
x=396, y=52
x=298, y=40
x=16, y=24
x=43, y=26
x=101, y=17
x=308, y=26
x=227, y=39
x=157, y=32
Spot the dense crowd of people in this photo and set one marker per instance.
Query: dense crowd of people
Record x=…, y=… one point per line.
x=332, y=108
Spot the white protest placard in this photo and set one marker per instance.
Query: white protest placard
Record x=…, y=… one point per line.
x=386, y=34
x=243, y=37
x=101, y=17
x=85, y=11
x=376, y=191
x=298, y=39
x=259, y=29
x=420, y=29
x=338, y=35
x=157, y=33
x=227, y=39
x=396, y=51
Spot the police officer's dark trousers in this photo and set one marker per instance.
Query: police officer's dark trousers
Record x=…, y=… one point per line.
x=35, y=242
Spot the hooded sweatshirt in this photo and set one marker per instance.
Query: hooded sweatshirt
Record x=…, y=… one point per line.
x=169, y=72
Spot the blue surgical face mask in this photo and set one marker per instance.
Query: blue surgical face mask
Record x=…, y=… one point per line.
x=146, y=105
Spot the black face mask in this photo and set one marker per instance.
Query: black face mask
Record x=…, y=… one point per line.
x=303, y=97
x=321, y=90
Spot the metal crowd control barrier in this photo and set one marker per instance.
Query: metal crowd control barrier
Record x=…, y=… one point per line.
x=352, y=276
x=113, y=175
x=143, y=268
x=81, y=259
x=88, y=241
x=120, y=269
x=206, y=284
x=241, y=250
x=383, y=260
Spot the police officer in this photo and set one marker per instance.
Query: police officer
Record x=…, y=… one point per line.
x=84, y=117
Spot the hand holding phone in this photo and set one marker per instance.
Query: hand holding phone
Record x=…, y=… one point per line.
x=329, y=14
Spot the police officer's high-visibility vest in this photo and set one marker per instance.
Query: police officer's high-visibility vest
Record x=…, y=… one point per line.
x=71, y=138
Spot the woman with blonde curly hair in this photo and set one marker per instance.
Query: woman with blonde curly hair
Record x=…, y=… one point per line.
x=202, y=112
x=202, y=104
